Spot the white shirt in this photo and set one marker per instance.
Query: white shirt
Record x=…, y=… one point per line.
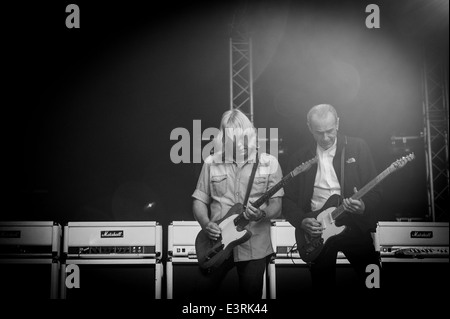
x=326, y=183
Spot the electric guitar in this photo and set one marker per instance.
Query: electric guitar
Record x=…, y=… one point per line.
x=212, y=253
x=310, y=247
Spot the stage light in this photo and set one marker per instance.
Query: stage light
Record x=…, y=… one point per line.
x=150, y=205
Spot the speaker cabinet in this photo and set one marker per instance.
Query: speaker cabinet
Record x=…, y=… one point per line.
x=183, y=276
x=289, y=275
x=184, y=280
x=112, y=279
x=288, y=278
x=415, y=276
x=29, y=279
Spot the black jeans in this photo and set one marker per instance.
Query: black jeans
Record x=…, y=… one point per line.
x=250, y=275
x=359, y=250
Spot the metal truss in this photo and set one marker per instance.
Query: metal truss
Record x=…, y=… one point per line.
x=435, y=111
x=241, y=72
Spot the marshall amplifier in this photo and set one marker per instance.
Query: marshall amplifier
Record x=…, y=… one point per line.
x=182, y=271
x=412, y=239
x=282, y=234
x=288, y=274
x=113, y=240
x=112, y=260
x=29, y=259
x=181, y=238
x=414, y=255
x=183, y=277
x=30, y=239
x=283, y=240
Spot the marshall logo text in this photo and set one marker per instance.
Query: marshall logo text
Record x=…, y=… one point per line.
x=10, y=234
x=421, y=234
x=111, y=233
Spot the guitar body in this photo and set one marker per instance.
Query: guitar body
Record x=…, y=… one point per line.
x=212, y=253
x=310, y=247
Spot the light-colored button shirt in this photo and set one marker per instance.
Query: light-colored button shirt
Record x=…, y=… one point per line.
x=222, y=185
x=326, y=182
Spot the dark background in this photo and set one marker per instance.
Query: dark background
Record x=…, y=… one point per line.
x=88, y=112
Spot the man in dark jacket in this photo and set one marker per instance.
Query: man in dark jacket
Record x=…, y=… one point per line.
x=345, y=165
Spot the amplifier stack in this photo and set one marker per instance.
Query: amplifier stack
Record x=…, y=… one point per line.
x=124, y=259
x=414, y=255
x=288, y=274
x=29, y=259
x=183, y=273
x=114, y=260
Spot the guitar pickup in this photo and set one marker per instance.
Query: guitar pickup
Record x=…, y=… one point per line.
x=213, y=252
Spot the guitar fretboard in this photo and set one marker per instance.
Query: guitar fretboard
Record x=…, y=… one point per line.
x=363, y=191
x=241, y=221
x=272, y=191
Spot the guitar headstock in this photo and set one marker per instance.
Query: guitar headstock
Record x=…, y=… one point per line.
x=305, y=166
x=402, y=161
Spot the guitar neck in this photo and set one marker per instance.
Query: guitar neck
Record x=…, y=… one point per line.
x=273, y=190
x=241, y=221
x=363, y=191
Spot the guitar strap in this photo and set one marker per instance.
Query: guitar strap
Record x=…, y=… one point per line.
x=252, y=177
x=342, y=168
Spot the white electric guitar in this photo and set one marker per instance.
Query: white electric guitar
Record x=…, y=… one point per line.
x=310, y=247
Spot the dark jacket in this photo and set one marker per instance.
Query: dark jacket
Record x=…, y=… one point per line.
x=359, y=169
